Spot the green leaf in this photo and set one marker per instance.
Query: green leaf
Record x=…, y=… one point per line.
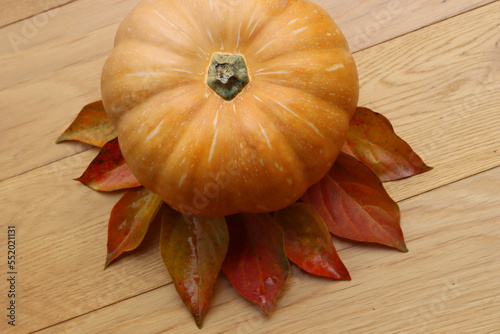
x=129, y=221
x=193, y=249
x=91, y=126
x=308, y=243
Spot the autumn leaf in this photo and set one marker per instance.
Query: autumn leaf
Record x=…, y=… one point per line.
x=256, y=263
x=108, y=171
x=91, y=126
x=193, y=249
x=354, y=204
x=372, y=140
x=129, y=221
x=308, y=243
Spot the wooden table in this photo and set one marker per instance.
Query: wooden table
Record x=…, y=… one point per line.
x=431, y=66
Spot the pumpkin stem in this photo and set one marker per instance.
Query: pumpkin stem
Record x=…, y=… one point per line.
x=227, y=75
x=224, y=72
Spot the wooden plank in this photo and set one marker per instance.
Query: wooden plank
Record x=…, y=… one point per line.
x=366, y=22
x=439, y=87
x=15, y=10
x=61, y=233
x=447, y=283
x=47, y=78
x=62, y=223
x=49, y=74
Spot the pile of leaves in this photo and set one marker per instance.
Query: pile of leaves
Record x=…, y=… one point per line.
x=254, y=251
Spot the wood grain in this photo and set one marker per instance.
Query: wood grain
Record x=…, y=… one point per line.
x=49, y=77
x=366, y=22
x=15, y=10
x=62, y=229
x=438, y=87
x=447, y=283
x=51, y=67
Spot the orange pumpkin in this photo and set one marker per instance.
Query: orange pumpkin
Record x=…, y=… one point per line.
x=225, y=106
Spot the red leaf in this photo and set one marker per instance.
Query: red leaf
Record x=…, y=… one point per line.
x=308, y=243
x=108, y=171
x=372, y=140
x=91, y=126
x=256, y=262
x=354, y=204
x=193, y=249
x=129, y=221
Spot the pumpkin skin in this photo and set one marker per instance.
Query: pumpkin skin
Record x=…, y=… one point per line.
x=261, y=150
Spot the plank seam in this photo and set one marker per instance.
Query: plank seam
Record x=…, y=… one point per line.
x=99, y=308
x=354, y=244
x=32, y=16
x=427, y=26
x=447, y=184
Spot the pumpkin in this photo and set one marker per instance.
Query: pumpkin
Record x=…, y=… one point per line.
x=226, y=106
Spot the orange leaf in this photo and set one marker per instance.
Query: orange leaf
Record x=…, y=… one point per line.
x=193, y=249
x=91, y=126
x=129, y=221
x=108, y=171
x=372, y=140
x=256, y=262
x=308, y=243
x=354, y=204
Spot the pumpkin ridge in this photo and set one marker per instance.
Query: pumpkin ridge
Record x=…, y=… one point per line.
x=290, y=146
x=326, y=99
x=135, y=115
x=159, y=48
x=255, y=35
x=194, y=115
x=315, y=26
x=153, y=95
x=143, y=10
x=302, y=160
x=200, y=111
x=295, y=51
x=299, y=169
